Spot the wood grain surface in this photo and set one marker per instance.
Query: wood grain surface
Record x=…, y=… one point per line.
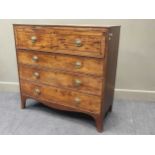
x=87, y=102
x=61, y=40
x=62, y=62
x=87, y=84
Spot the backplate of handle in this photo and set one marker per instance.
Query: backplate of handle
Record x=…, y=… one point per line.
x=36, y=75
x=78, y=42
x=37, y=91
x=78, y=64
x=77, y=82
x=35, y=58
x=33, y=39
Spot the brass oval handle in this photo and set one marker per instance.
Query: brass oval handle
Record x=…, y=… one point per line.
x=78, y=42
x=77, y=82
x=35, y=58
x=36, y=75
x=78, y=65
x=33, y=39
x=77, y=100
x=37, y=91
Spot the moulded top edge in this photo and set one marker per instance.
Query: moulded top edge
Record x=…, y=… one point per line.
x=70, y=25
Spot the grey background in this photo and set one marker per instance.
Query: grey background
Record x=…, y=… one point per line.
x=136, y=61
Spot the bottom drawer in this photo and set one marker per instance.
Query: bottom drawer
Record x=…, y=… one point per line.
x=64, y=97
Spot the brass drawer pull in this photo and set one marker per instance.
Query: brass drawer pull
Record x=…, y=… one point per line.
x=78, y=42
x=77, y=82
x=35, y=58
x=77, y=100
x=37, y=91
x=36, y=75
x=78, y=65
x=33, y=39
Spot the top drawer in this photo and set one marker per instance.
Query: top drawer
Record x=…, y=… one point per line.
x=75, y=41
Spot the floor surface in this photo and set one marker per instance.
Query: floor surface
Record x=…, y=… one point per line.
x=127, y=117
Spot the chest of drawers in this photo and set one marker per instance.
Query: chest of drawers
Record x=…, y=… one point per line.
x=70, y=68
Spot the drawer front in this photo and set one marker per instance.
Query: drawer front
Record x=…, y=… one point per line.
x=86, y=84
x=85, y=43
x=68, y=98
x=76, y=64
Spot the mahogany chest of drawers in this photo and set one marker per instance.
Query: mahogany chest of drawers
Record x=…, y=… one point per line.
x=69, y=68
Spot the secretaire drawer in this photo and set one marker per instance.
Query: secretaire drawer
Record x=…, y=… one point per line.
x=86, y=84
x=68, y=98
x=84, y=65
x=83, y=42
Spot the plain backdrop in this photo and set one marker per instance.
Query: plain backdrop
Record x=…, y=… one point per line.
x=85, y=9
x=136, y=59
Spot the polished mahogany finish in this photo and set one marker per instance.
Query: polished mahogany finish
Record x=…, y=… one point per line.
x=82, y=83
x=67, y=63
x=70, y=68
